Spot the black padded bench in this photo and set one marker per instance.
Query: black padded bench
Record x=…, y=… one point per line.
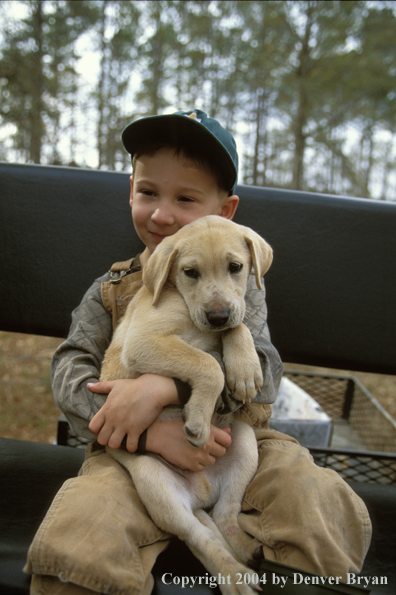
x=330, y=296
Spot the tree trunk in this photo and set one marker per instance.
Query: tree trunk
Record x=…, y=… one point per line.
x=255, y=172
x=386, y=170
x=157, y=65
x=101, y=88
x=302, y=74
x=36, y=112
x=368, y=162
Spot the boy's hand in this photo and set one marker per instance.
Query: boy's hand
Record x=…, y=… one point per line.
x=168, y=439
x=131, y=406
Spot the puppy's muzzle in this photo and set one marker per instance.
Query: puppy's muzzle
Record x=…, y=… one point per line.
x=218, y=318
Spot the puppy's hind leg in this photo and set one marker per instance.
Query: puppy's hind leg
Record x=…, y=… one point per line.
x=169, y=503
x=241, y=467
x=205, y=541
x=233, y=578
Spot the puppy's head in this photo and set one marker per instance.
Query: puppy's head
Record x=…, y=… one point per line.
x=209, y=261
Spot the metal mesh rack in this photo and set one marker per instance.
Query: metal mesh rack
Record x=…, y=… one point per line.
x=363, y=467
x=366, y=432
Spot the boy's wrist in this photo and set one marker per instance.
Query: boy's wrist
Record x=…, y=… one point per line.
x=169, y=394
x=173, y=392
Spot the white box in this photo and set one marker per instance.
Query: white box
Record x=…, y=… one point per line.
x=297, y=414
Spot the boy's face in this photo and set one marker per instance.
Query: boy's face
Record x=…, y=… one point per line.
x=168, y=191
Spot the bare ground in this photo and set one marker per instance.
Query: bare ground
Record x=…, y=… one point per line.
x=27, y=409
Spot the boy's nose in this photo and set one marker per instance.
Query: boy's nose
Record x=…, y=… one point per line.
x=163, y=216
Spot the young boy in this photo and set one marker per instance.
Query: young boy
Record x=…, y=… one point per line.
x=97, y=537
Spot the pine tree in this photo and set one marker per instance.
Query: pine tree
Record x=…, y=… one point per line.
x=36, y=59
x=118, y=24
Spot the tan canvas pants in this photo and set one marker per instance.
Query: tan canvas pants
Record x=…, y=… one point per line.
x=97, y=537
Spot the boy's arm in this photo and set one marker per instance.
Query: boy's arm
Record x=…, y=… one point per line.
x=78, y=360
x=122, y=406
x=271, y=363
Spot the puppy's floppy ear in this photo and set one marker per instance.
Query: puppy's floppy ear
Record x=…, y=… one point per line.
x=261, y=254
x=157, y=269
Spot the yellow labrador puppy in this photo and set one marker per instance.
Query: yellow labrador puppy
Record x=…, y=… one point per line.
x=192, y=302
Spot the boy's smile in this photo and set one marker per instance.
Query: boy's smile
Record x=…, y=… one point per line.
x=168, y=191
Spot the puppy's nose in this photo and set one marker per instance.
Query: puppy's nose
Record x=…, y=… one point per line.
x=218, y=318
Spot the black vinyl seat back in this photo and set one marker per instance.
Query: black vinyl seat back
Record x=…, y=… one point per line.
x=330, y=290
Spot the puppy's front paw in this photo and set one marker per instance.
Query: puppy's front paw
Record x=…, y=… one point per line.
x=196, y=428
x=243, y=370
x=244, y=378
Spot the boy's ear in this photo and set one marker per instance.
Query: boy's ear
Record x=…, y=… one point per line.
x=229, y=207
x=157, y=269
x=131, y=195
x=261, y=253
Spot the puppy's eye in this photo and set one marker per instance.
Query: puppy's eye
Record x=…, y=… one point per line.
x=192, y=273
x=235, y=267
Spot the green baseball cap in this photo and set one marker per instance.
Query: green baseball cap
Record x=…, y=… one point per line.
x=207, y=134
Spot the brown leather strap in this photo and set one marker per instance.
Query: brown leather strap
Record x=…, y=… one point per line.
x=122, y=287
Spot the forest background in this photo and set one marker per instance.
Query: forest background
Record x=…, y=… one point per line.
x=307, y=87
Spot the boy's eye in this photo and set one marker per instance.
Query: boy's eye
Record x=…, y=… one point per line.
x=192, y=273
x=185, y=199
x=235, y=267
